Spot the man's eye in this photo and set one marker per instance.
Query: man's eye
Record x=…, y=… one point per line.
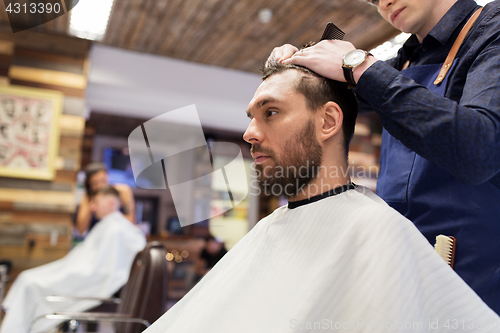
x=374, y=2
x=270, y=113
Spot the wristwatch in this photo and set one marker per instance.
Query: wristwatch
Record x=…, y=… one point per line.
x=350, y=61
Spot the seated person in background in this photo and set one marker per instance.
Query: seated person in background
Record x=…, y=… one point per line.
x=337, y=257
x=213, y=252
x=97, y=267
x=96, y=177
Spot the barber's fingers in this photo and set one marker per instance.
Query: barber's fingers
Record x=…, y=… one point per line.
x=281, y=53
x=324, y=58
x=301, y=58
x=318, y=62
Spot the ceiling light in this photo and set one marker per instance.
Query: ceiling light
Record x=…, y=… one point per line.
x=89, y=19
x=265, y=15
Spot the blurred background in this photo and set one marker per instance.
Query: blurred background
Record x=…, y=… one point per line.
x=120, y=63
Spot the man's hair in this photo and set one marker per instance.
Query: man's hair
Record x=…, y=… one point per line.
x=106, y=190
x=319, y=90
x=91, y=170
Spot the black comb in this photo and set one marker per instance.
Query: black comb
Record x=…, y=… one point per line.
x=332, y=32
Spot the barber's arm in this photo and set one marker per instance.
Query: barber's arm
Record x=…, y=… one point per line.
x=127, y=201
x=83, y=215
x=462, y=138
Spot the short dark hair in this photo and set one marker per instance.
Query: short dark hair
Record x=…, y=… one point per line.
x=106, y=190
x=91, y=170
x=319, y=90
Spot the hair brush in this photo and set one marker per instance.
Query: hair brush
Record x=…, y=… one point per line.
x=446, y=247
x=331, y=32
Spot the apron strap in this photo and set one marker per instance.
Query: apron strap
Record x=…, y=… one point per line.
x=454, y=49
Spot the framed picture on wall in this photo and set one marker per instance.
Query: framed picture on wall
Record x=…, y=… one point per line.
x=29, y=131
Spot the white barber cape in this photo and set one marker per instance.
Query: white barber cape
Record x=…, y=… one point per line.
x=98, y=267
x=347, y=262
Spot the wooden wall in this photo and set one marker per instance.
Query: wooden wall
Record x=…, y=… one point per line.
x=31, y=211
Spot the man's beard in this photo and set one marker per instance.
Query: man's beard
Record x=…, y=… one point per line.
x=293, y=171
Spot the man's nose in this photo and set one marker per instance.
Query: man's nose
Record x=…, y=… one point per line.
x=384, y=4
x=252, y=134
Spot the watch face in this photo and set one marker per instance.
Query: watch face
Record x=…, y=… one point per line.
x=355, y=58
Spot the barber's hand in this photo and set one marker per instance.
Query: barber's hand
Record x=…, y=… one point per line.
x=281, y=53
x=324, y=58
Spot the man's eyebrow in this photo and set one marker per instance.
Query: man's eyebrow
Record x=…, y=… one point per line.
x=265, y=101
x=261, y=104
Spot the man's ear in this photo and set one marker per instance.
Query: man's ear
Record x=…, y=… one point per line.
x=332, y=118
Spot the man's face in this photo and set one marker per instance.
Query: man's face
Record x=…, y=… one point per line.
x=103, y=204
x=410, y=16
x=282, y=132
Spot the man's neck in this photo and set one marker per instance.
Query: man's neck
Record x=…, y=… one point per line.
x=440, y=9
x=328, y=178
x=106, y=214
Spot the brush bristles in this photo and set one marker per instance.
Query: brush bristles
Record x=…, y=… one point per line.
x=444, y=247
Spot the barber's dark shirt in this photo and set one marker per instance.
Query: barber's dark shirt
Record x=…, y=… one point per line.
x=461, y=132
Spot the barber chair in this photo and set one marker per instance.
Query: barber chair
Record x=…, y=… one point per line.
x=4, y=271
x=142, y=299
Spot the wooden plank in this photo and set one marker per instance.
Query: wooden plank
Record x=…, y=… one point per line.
x=128, y=16
x=46, y=76
x=34, y=184
x=37, y=197
x=47, y=65
x=218, y=26
x=154, y=13
x=59, y=44
x=74, y=106
x=6, y=47
x=68, y=164
x=180, y=26
x=5, y=59
x=143, y=17
x=66, y=176
x=4, y=71
x=115, y=19
x=44, y=207
x=37, y=217
x=169, y=12
x=70, y=142
x=71, y=125
x=71, y=157
x=21, y=52
x=65, y=90
x=302, y=13
x=198, y=32
x=37, y=230
x=3, y=13
x=219, y=52
x=22, y=255
x=6, y=206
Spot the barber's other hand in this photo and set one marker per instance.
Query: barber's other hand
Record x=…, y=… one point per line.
x=281, y=53
x=324, y=58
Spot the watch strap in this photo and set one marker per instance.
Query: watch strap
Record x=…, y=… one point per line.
x=349, y=75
